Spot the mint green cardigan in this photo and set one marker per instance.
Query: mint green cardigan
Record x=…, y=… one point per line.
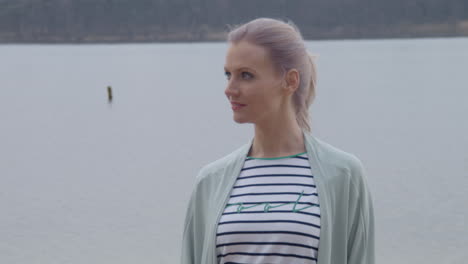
x=346, y=209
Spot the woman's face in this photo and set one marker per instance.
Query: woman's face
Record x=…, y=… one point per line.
x=252, y=82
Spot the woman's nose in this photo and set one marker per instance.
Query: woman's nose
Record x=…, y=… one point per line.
x=230, y=91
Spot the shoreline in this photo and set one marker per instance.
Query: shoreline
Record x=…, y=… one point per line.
x=401, y=31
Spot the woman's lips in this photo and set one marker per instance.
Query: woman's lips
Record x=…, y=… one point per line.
x=236, y=106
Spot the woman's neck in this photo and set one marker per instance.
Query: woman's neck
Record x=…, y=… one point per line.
x=277, y=142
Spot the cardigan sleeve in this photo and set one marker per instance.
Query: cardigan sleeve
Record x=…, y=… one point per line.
x=191, y=249
x=361, y=234
x=188, y=237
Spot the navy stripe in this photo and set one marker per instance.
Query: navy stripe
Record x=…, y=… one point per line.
x=271, y=211
x=267, y=243
x=275, y=193
x=295, y=157
x=267, y=232
x=279, y=165
x=276, y=175
x=266, y=254
x=268, y=221
x=272, y=202
x=275, y=184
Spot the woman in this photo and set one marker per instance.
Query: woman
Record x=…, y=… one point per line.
x=285, y=196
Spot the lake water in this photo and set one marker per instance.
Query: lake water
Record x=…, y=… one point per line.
x=85, y=181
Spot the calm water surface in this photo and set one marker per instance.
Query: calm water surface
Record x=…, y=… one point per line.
x=84, y=181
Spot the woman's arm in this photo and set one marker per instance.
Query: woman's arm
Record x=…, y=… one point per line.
x=188, y=239
x=194, y=227
x=361, y=234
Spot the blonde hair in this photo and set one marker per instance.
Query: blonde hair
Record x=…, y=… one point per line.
x=285, y=44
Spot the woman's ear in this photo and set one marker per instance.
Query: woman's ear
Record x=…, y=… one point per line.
x=292, y=79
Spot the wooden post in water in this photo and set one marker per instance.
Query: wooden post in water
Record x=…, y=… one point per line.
x=109, y=94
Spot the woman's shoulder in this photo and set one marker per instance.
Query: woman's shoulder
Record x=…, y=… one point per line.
x=332, y=154
x=338, y=162
x=219, y=165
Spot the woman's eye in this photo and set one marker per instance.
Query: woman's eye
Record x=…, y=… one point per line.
x=247, y=75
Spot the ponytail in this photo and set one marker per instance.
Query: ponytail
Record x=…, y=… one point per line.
x=302, y=114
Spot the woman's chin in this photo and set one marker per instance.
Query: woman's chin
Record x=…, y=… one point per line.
x=239, y=119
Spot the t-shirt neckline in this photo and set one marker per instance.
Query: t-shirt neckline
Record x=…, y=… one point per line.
x=283, y=157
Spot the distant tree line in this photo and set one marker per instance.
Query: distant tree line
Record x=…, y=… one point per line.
x=195, y=20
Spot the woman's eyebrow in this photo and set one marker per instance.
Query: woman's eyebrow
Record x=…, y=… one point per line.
x=241, y=68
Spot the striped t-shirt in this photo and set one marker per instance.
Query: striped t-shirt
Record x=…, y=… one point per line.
x=272, y=215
